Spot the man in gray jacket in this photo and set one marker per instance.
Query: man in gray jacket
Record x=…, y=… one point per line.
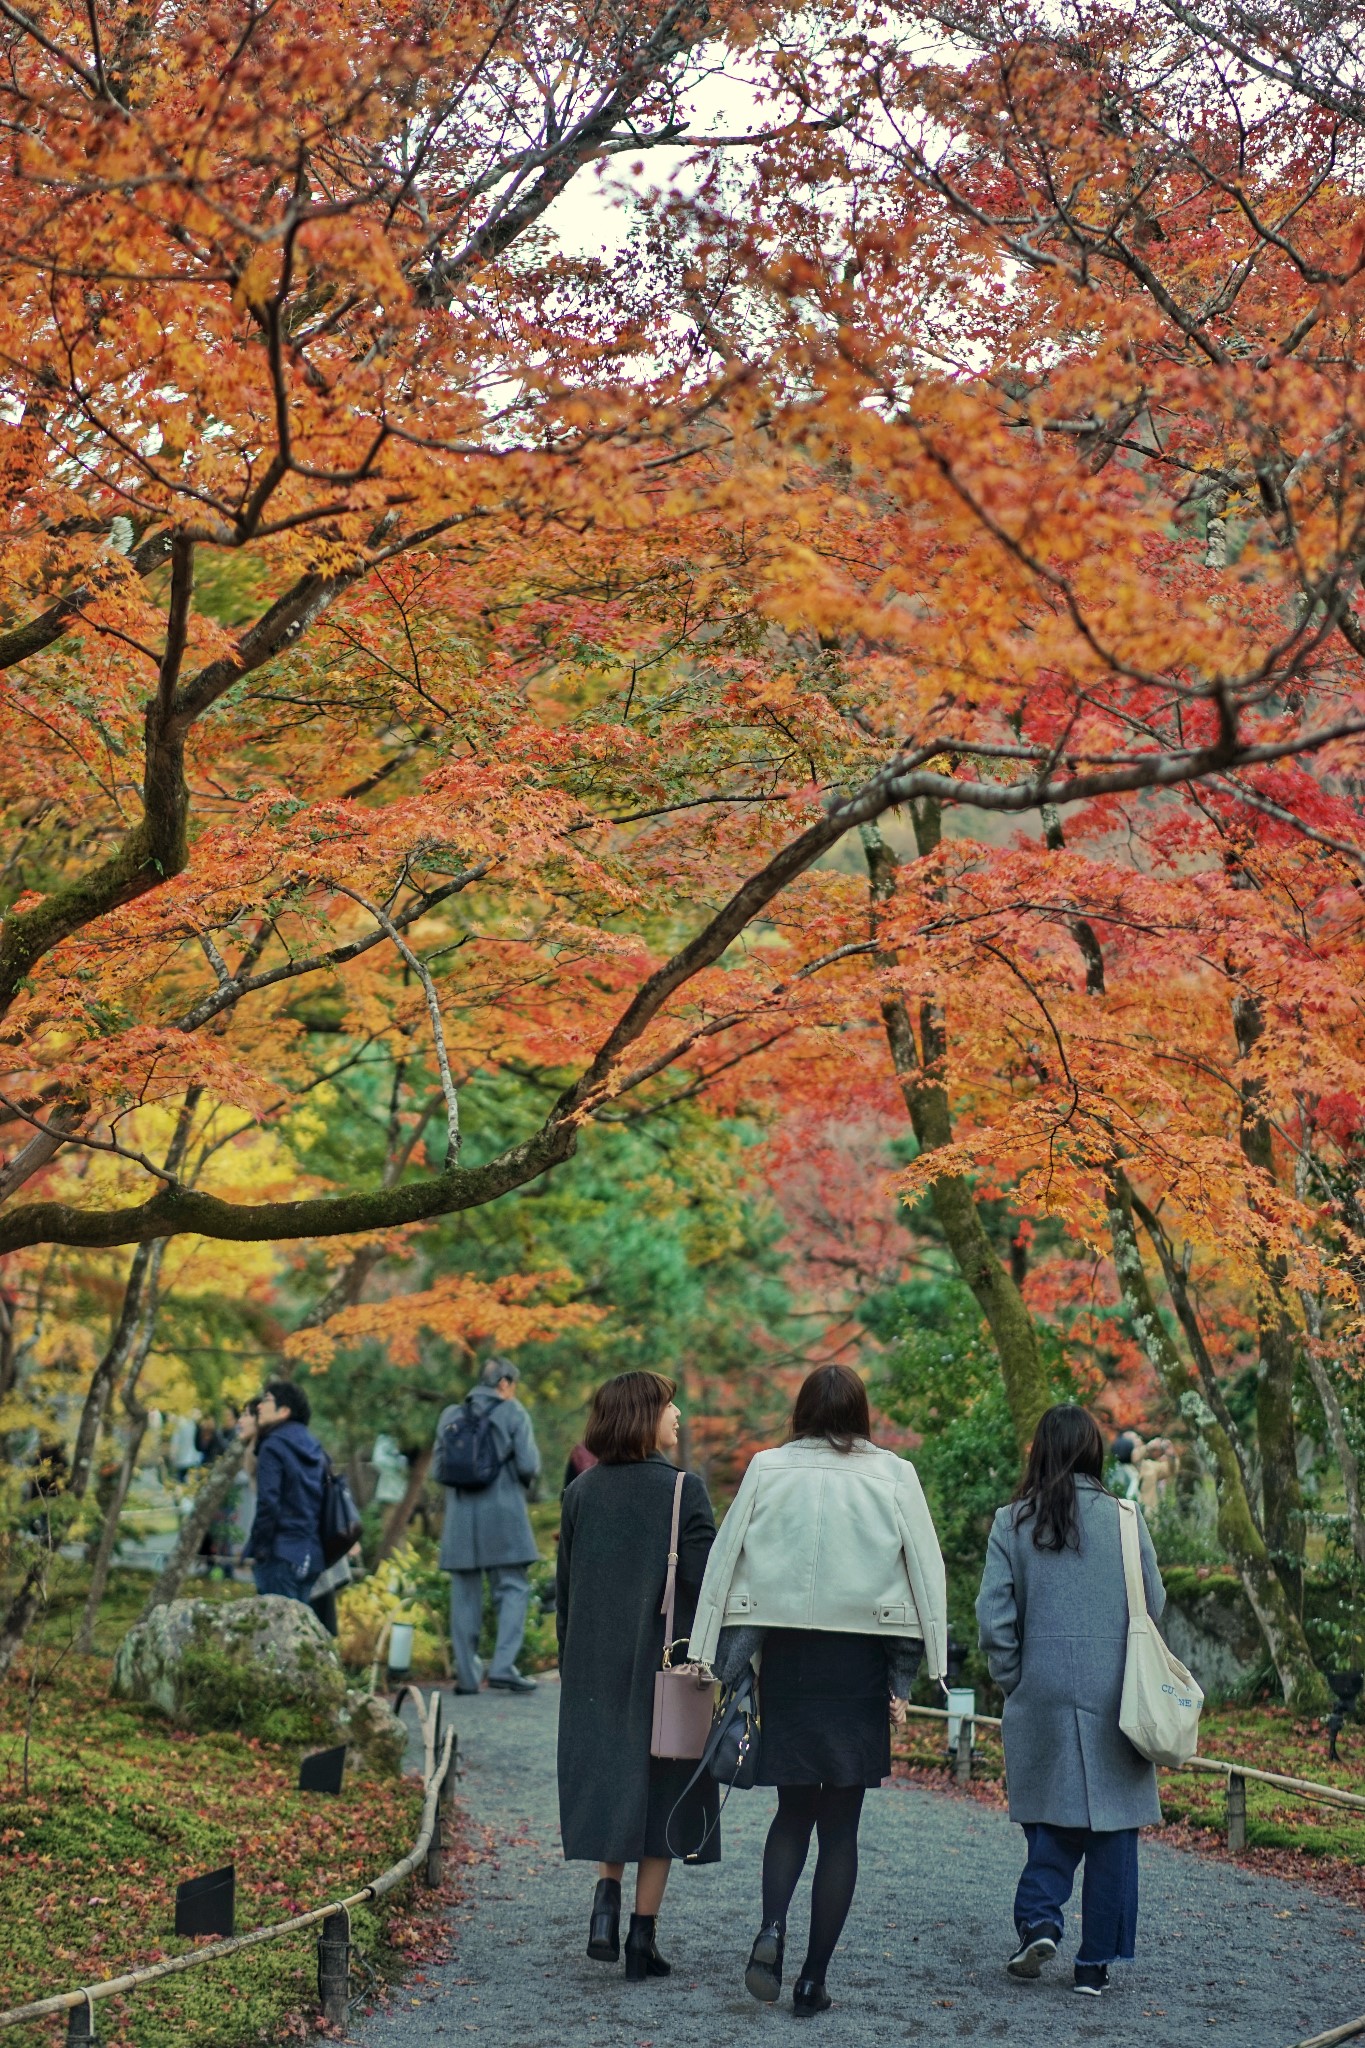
x=487, y=1530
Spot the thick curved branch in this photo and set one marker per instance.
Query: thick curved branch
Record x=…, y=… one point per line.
x=902, y=781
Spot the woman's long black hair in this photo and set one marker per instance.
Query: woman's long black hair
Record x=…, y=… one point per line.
x=1067, y=1441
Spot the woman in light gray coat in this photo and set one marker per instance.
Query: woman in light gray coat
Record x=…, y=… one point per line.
x=1053, y=1617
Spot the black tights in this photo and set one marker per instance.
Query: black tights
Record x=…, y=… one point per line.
x=833, y=1811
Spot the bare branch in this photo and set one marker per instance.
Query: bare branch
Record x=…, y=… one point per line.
x=420, y=969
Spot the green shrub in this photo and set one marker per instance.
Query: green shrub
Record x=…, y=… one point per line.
x=943, y=1381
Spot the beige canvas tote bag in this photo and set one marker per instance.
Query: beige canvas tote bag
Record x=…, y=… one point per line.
x=1161, y=1703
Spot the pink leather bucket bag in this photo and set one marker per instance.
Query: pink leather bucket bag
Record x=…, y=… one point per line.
x=684, y=1694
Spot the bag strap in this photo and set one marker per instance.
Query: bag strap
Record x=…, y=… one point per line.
x=671, y=1576
x=737, y=1698
x=1132, y=1564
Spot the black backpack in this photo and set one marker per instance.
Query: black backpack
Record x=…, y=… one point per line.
x=338, y=1516
x=468, y=1455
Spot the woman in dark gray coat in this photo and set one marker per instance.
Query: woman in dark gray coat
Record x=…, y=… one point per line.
x=1053, y=1617
x=615, y=1800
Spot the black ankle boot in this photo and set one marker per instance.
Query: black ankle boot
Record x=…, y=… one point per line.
x=642, y=1957
x=809, y=1995
x=763, y=1978
x=604, y=1928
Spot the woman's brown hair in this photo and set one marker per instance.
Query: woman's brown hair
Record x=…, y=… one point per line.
x=623, y=1426
x=832, y=1403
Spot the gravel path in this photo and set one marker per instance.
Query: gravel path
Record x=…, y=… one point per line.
x=1224, y=1956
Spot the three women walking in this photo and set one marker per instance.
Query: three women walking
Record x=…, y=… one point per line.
x=827, y=1579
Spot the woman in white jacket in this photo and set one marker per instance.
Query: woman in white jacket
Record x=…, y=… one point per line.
x=826, y=1570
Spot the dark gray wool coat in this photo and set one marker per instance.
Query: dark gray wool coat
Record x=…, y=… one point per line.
x=1054, y=1626
x=613, y=1557
x=491, y=1527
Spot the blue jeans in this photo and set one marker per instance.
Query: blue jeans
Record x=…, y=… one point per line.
x=1109, y=1890
x=275, y=1575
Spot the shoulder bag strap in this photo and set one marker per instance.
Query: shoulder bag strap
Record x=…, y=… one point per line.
x=1132, y=1563
x=671, y=1577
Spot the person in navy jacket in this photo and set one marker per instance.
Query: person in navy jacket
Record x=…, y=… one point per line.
x=285, y=1545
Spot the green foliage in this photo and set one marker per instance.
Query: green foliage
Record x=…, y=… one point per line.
x=1334, y=1598
x=657, y=1224
x=1185, y=1531
x=540, y=1648
x=942, y=1381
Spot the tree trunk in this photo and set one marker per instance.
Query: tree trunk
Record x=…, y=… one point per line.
x=396, y=1528
x=1276, y=1433
x=22, y=1609
x=1275, y=1611
x=924, y=1088
x=9, y=1356
x=138, y=1418
x=1337, y=1427
x=207, y=1502
x=26, y=1602
x=104, y=1552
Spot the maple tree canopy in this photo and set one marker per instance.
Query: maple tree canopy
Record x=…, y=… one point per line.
x=418, y=635
x=879, y=636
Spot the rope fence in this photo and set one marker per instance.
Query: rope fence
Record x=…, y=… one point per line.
x=438, y=1778
x=333, y=1920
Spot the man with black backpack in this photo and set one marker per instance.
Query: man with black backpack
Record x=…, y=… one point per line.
x=486, y=1458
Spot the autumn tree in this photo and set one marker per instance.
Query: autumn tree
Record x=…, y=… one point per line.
x=422, y=639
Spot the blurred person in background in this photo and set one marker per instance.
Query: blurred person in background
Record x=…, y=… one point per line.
x=487, y=1530
x=285, y=1545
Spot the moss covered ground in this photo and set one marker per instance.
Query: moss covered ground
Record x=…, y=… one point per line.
x=105, y=1807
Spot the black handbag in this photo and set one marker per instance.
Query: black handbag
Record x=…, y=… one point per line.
x=730, y=1755
x=338, y=1516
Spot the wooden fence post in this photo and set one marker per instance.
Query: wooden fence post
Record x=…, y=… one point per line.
x=444, y=1803
x=334, y=1967
x=80, y=2025
x=962, y=1769
x=431, y=1876
x=1237, y=1811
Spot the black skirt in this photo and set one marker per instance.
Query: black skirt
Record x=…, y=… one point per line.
x=826, y=1704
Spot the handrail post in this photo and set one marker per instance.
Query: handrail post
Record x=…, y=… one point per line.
x=334, y=1967
x=445, y=1801
x=431, y=1875
x=80, y=2025
x=1237, y=1811
x=962, y=1768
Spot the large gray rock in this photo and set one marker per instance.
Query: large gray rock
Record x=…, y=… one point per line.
x=168, y=1660
x=265, y=1665
x=1212, y=1629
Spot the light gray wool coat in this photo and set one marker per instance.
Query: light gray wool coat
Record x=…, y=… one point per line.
x=1054, y=1626
x=491, y=1527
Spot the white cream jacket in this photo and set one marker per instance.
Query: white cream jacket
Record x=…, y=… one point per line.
x=819, y=1538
